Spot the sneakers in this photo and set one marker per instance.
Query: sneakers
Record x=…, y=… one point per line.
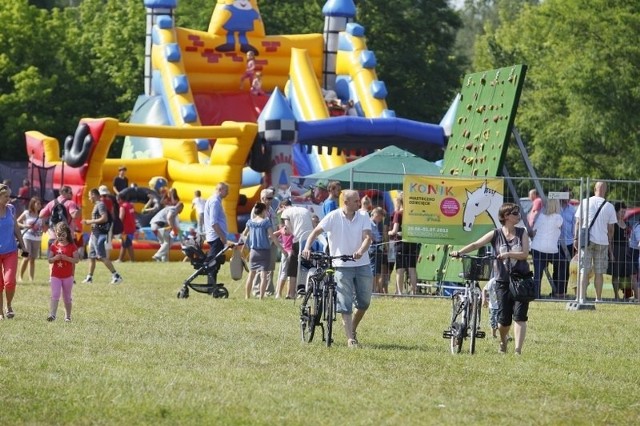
x=88, y=279
x=67, y=319
x=116, y=278
x=10, y=313
x=51, y=318
x=352, y=343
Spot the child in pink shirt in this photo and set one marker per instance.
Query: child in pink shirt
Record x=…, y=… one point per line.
x=286, y=239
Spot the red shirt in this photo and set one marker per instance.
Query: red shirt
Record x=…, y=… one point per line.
x=62, y=268
x=129, y=221
x=108, y=203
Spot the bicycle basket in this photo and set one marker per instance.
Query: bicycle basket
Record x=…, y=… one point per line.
x=477, y=269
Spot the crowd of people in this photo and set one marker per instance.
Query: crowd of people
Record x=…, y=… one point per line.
x=350, y=225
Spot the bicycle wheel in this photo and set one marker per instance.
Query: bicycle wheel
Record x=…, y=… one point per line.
x=457, y=323
x=475, y=321
x=307, y=319
x=330, y=312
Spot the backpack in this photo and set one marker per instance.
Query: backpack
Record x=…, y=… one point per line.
x=58, y=214
x=118, y=227
x=104, y=228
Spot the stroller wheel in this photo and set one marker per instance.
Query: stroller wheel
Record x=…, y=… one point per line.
x=183, y=293
x=220, y=292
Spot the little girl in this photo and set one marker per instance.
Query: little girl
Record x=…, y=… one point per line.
x=260, y=236
x=286, y=239
x=256, y=85
x=490, y=300
x=63, y=255
x=250, y=72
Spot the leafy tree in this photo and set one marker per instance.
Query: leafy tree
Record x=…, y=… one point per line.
x=578, y=109
x=29, y=75
x=413, y=42
x=61, y=65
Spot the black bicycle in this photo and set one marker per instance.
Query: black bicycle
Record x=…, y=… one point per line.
x=466, y=306
x=319, y=299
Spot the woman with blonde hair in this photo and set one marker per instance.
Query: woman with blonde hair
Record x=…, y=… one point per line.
x=365, y=205
x=31, y=224
x=544, y=244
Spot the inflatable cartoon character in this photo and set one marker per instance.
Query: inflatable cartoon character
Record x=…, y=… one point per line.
x=241, y=20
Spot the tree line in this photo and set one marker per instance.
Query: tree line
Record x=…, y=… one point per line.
x=66, y=59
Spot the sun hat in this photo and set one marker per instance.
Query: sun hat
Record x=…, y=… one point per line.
x=103, y=190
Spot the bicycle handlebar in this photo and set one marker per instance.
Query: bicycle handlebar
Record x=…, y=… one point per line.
x=460, y=256
x=318, y=255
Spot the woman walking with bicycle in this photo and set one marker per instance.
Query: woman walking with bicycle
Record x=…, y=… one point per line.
x=349, y=233
x=511, y=245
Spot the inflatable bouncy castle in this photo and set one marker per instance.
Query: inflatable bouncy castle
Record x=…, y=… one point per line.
x=195, y=126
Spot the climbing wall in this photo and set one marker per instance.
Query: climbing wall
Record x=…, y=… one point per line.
x=477, y=147
x=481, y=131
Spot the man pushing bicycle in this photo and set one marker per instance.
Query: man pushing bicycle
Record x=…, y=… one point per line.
x=348, y=233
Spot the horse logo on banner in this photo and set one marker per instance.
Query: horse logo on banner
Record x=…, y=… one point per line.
x=483, y=199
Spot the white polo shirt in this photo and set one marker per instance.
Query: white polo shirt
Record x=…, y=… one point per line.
x=345, y=236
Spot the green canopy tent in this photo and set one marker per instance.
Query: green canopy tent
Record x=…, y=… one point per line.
x=385, y=167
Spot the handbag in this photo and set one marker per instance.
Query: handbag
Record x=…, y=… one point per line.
x=521, y=284
x=584, y=232
x=522, y=287
x=236, y=265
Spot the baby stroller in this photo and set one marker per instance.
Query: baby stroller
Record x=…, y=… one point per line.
x=203, y=264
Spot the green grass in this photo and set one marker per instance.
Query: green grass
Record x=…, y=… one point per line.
x=135, y=354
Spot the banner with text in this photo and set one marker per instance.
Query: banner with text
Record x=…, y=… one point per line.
x=448, y=210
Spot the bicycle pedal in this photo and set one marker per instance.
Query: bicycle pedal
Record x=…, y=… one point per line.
x=480, y=334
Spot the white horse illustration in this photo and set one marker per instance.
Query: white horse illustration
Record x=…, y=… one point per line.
x=479, y=201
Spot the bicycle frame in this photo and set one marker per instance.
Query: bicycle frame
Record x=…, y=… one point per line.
x=320, y=298
x=466, y=315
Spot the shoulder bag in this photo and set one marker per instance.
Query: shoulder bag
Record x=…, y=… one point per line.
x=584, y=232
x=521, y=285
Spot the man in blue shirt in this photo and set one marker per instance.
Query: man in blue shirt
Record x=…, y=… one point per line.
x=331, y=203
x=215, y=227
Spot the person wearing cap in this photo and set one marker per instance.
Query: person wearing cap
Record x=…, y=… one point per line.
x=106, y=198
x=266, y=197
x=120, y=182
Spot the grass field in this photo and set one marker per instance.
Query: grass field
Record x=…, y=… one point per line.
x=135, y=354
